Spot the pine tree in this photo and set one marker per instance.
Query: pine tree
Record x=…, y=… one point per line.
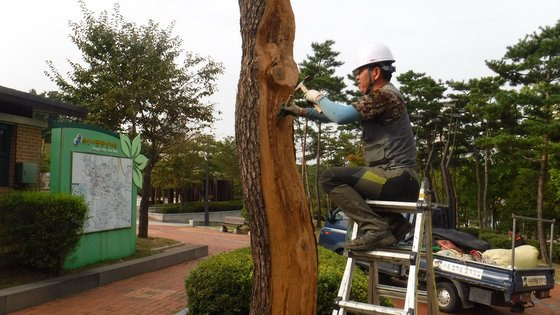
x=534, y=64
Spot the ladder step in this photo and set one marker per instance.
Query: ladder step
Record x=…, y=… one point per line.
x=398, y=292
x=401, y=257
x=401, y=206
x=393, y=206
x=363, y=308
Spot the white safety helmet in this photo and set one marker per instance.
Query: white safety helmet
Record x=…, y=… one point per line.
x=373, y=53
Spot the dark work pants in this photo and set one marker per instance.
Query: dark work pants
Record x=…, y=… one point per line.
x=348, y=187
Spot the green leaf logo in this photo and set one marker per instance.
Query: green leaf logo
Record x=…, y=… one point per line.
x=132, y=150
x=140, y=161
x=135, y=148
x=125, y=145
x=137, y=177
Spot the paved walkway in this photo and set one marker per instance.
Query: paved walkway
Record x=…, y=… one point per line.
x=158, y=292
x=163, y=291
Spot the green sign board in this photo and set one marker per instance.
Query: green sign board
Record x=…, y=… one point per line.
x=104, y=168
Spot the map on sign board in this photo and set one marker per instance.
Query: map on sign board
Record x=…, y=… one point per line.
x=106, y=184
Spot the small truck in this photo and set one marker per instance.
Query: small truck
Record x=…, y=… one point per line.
x=460, y=283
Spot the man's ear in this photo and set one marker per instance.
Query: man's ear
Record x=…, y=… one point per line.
x=376, y=73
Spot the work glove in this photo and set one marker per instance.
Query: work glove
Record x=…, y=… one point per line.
x=293, y=110
x=313, y=96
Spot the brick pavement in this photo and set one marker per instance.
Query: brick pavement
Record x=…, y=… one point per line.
x=163, y=292
x=158, y=292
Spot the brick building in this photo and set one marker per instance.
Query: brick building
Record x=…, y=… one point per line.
x=23, y=118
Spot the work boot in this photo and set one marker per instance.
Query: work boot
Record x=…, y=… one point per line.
x=400, y=227
x=372, y=239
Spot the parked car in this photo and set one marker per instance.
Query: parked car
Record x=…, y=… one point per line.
x=333, y=234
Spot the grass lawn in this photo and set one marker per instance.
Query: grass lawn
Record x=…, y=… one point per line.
x=11, y=276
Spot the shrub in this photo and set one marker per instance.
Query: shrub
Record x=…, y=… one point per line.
x=39, y=229
x=471, y=230
x=198, y=206
x=222, y=283
x=496, y=240
x=245, y=214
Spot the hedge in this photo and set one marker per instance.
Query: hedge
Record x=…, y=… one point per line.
x=222, y=283
x=198, y=206
x=39, y=229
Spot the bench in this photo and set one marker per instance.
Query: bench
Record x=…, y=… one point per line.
x=237, y=221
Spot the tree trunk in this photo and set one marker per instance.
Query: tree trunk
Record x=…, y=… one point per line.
x=305, y=177
x=317, y=166
x=478, y=188
x=144, y=203
x=485, y=189
x=540, y=200
x=282, y=235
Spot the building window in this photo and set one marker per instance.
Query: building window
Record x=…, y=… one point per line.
x=5, y=139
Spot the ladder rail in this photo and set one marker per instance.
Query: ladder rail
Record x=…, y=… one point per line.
x=346, y=283
x=422, y=232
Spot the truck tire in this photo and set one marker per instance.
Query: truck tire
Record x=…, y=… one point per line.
x=447, y=296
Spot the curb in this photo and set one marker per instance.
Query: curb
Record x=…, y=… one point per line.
x=32, y=294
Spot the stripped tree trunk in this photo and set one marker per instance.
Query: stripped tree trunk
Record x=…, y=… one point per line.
x=282, y=238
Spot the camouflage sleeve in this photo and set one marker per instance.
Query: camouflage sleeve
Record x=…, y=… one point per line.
x=384, y=106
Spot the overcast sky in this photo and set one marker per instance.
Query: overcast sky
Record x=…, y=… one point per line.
x=443, y=38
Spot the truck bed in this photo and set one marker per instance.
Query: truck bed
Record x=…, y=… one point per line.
x=492, y=276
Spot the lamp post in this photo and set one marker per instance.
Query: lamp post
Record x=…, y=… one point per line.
x=206, y=212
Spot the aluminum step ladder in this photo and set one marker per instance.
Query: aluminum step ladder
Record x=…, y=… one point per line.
x=411, y=257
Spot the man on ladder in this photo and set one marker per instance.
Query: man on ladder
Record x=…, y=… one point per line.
x=389, y=175
x=390, y=153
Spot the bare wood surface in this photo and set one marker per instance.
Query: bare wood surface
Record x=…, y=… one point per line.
x=282, y=233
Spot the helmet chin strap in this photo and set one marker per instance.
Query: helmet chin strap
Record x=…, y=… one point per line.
x=371, y=82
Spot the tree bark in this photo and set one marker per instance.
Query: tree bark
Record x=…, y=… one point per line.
x=485, y=189
x=478, y=188
x=540, y=200
x=317, y=166
x=282, y=234
x=304, y=173
x=144, y=203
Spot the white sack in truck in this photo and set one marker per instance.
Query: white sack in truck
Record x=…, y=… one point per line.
x=525, y=257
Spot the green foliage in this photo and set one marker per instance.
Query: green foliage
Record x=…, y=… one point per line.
x=321, y=66
x=185, y=162
x=245, y=214
x=328, y=145
x=40, y=229
x=471, y=230
x=136, y=79
x=335, y=144
x=133, y=76
x=132, y=150
x=198, y=206
x=496, y=240
x=222, y=284
x=424, y=97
